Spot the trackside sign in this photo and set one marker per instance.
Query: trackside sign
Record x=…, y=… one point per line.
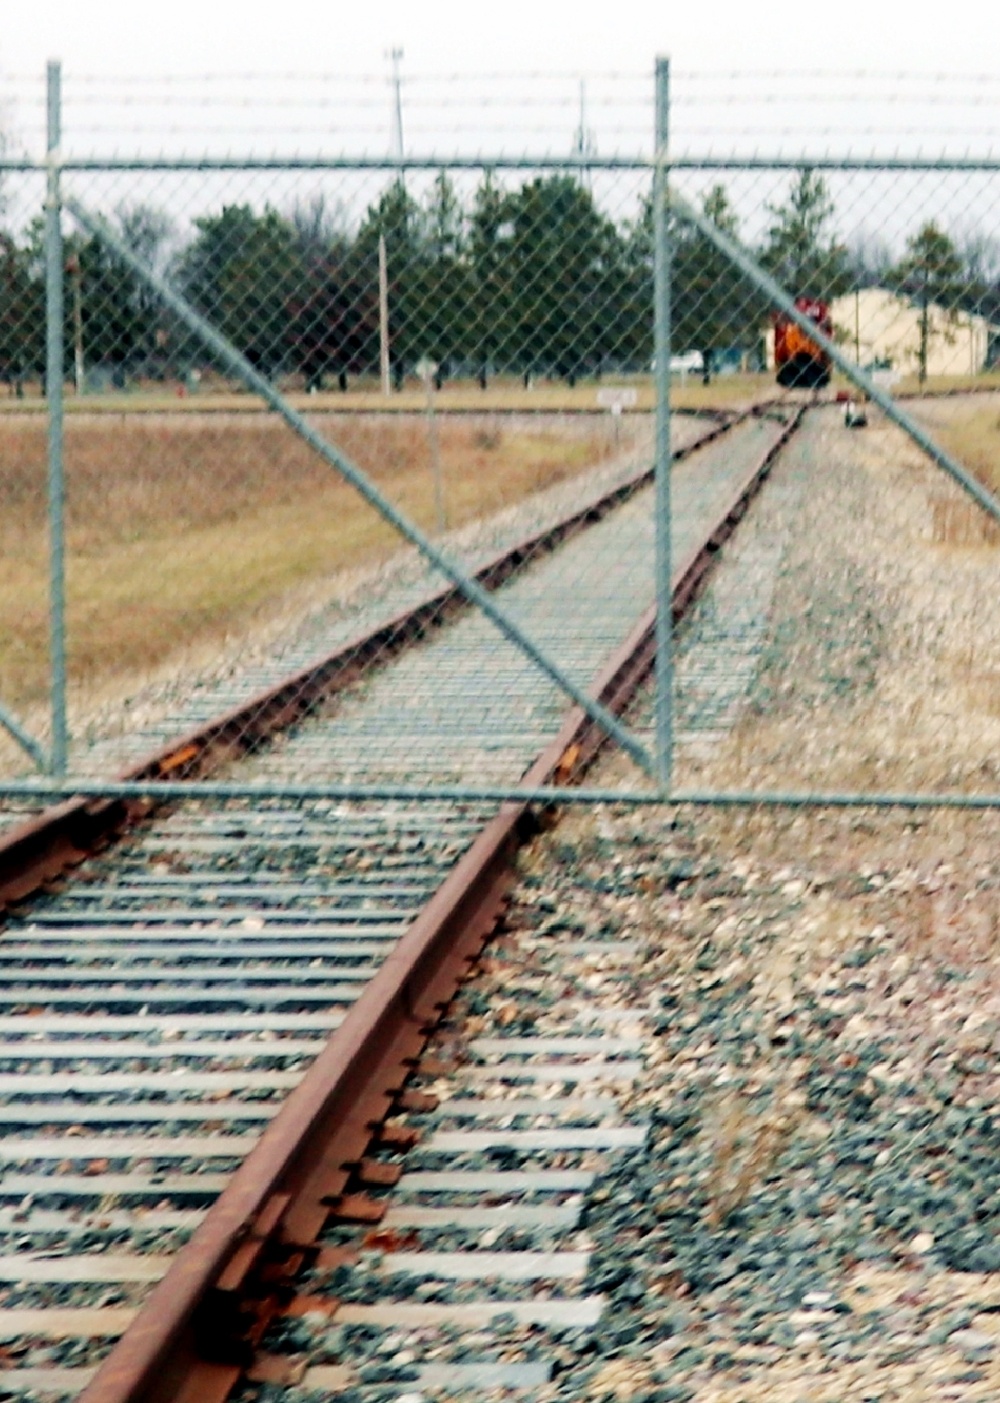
x=616, y=398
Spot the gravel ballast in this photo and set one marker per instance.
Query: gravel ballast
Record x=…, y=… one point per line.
x=812, y=1217
x=815, y=1215
x=816, y=1211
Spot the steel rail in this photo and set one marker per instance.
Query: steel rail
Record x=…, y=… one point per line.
x=949, y=392
x=60, y=837
x=198, y=1328
x=246, y=406
x=153, y=793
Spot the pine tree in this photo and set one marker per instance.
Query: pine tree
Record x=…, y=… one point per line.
x=801, y=250
x=714, y=306
x=931, y=272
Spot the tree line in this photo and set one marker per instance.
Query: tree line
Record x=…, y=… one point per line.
x=535, y=280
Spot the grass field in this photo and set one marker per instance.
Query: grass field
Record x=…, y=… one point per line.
x=989, y=381
x=972, y=434
x=182, y=528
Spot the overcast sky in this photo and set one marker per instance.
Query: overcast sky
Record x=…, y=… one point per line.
x=195, y=36
x=871, y=110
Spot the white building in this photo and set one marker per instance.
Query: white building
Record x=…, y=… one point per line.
x=878, y=325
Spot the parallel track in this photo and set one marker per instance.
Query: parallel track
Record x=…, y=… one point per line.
x=157, y=1011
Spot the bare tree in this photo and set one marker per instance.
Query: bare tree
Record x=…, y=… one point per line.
x=319, y=224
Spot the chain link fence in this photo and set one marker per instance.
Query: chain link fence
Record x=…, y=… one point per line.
x=332, y=347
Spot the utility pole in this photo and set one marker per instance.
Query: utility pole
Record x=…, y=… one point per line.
x=395, y=56
x=383, y=315
x=584, y=146
x=857, y=325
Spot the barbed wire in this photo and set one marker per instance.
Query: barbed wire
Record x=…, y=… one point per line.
x=742, y=113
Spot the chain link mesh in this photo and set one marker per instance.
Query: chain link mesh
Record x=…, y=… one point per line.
x=453, y=280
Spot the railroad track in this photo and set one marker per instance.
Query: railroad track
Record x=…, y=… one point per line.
x=240, y=710
x=174, y=999
x=391, y=611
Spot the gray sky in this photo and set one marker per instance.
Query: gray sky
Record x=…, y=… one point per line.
x=193, y=36
x=845, y=94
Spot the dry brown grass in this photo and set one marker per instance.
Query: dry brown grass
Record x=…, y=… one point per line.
x=188, y=527
x=744, y=1141
x=910, y=384
x=960, y=522
x=973, y=435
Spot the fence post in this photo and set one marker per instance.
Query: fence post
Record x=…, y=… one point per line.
x=664, y=746
x=54, y=406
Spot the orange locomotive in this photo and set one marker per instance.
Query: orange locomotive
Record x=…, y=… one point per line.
x=799, y=362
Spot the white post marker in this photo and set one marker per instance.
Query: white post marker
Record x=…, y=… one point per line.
x=426, y=370
x=617, y=398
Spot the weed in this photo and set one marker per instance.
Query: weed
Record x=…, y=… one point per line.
x=746, y=1140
